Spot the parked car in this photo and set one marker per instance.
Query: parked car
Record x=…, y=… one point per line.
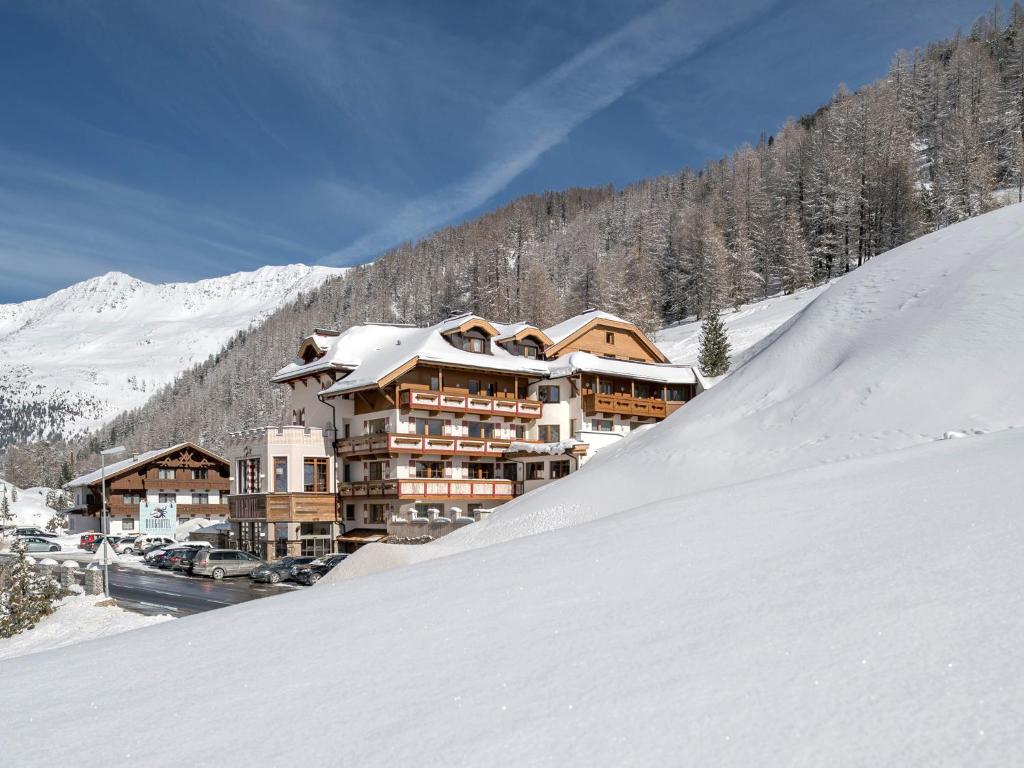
x=145, y=542
x=38, y=544
x=87, y=538
x=280, y=570
x=33, y=531
x=312, y=573
x=172, y=557
x=187, y=558
x=94, y=543
x=153, y=551
x=219, y=563
x=126, y=545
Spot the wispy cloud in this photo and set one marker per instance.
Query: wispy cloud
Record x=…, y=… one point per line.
x=542, y=115
x=55, y=223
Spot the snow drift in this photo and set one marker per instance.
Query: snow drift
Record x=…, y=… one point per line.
x=793, y=569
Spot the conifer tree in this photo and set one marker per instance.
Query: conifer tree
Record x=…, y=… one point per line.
x=714, y=345
x=6, y=515
x=26, y=597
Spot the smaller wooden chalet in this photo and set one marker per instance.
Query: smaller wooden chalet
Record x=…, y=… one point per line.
x=196, y=480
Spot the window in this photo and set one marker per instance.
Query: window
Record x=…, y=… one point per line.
x=675, y=394
x=492, y=389
x=280, y=474
x=165, y=474
x=248, y=477
x=472, y=344
x=559, y=468
x=376, y=426
x=529, y=351
x=482, y=429
x=602, y=425
x=375, y=470
x=509, y=470
x=378, y=513
x=520, y=430
x=133, y=498
x=299, y=417
x=606, y=388
x=165, y=498
x=200, y=498
x=548, y=393
x=642, y=389
x=435, y=383
x=429, y=427
x=200, y=474
x=549, y=433
x=480, y=471
x=609, y=337
x=314, y=475
x=430, y=469
x=473, y=386
x=535, y=470
x=572, y=429
x=128, y=524
x=350, y=511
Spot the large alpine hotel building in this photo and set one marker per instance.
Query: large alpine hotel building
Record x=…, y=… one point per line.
x=408, y=432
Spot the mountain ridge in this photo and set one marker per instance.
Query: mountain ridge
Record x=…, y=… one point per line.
x=75, y=358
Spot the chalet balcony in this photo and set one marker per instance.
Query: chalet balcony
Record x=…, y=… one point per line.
x=392, y=443
x=282, y=507
x=429, y=400
x=184, y=510
x=431, y=488
x=626, y=405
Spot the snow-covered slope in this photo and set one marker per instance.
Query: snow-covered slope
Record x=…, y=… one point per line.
x=84, y=353
x=746, y=326
x=798, y=568
x=30, y=507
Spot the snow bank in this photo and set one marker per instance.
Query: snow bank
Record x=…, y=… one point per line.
x=78, y=619
x=30, y=508
x=795, y=569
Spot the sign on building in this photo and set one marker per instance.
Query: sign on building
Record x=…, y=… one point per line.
x=158, y=517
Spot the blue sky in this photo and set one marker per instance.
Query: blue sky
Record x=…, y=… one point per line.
x=181, y=140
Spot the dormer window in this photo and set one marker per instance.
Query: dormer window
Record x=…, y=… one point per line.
x=472, y=344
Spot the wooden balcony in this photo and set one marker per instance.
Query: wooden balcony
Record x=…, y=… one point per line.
x=428, y=400
x=184, y=510
x=284, y=507
x=393, y=444
x=431, y=488
x=625, y=405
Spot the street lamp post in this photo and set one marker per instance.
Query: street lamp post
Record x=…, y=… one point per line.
x=105, y=520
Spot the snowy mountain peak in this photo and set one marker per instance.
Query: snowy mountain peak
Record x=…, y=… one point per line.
x=88, y=351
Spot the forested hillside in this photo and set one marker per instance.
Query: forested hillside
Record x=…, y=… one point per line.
x=939, y=139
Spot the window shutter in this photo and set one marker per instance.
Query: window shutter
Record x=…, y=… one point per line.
x=387, y=470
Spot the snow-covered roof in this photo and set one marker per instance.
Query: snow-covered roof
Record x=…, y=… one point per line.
x=132, y=461
x=584, y=362
x=373, y=352
x=563, y=330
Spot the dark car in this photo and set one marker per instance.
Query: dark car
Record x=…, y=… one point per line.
x=32, y=530
x=280, y=570
x=312, y=573
x=94, y=541
x=178, y=558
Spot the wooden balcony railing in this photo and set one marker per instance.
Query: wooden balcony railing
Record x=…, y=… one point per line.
x=184, y=510
x=392, y=443
x=279, y=507
x=431, y=488
x=625, y=405
x=430, y=400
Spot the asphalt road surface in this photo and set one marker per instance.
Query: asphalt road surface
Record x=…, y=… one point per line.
x=152, y=591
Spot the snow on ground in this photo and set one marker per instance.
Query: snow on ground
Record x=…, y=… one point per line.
x=78, y=619
x=797, y=568
x=746, y=326
x=30, y=508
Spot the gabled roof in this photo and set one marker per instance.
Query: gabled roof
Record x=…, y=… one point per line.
x=375, y=354
x=126, y=465
x=584, y=362
x=462, y=323
x=566, y=331
x=519, y=331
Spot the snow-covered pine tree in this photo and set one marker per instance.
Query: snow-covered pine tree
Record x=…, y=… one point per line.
x=27, y=596
x=14, y=493
x=714, y=345
x=6, y=516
